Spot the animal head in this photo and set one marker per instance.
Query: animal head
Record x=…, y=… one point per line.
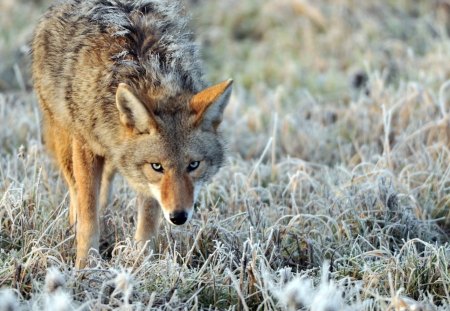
x=171, y=147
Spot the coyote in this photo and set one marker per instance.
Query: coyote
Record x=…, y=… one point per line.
x=120, y=87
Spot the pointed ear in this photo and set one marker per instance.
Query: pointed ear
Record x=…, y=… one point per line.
x=132, y=111
x=208, y=105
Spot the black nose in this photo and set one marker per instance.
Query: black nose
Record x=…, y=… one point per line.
x=178, y=218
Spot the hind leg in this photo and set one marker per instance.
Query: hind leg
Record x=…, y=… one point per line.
x=106, y=231
x=105, y=187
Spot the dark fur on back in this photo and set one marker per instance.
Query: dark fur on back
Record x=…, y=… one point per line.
x=149, y=43
x=83, y=49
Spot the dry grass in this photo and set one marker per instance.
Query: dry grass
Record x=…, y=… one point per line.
x=337, y=191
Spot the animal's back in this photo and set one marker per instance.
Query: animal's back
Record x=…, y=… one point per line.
x=83, y=49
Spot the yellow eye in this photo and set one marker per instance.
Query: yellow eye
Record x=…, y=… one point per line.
x=157, y=167
x=193, y=165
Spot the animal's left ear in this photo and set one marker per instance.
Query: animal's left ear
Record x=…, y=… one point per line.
x=208, y=105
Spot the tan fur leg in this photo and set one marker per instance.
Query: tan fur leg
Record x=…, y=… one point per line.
x=59, y=141
x=148, y=219
x=87, y=171
x=73, y=206
x=105, y=188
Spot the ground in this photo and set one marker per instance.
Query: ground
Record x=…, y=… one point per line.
x=336, y=191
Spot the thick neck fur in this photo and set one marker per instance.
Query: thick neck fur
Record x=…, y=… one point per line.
x=154, y=45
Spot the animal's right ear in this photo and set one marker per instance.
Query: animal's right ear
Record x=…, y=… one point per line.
x=133, y=113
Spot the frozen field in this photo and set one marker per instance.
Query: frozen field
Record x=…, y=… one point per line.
x=335, y=196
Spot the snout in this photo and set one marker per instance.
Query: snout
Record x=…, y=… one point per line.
x=175, y=196
x=178, y=218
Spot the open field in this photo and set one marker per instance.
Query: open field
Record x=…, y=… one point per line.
x=336, y=194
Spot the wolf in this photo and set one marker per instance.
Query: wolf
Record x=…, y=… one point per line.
x=121, y=89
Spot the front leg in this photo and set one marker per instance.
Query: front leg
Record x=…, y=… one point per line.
x=87, y=169
x=147, y=220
